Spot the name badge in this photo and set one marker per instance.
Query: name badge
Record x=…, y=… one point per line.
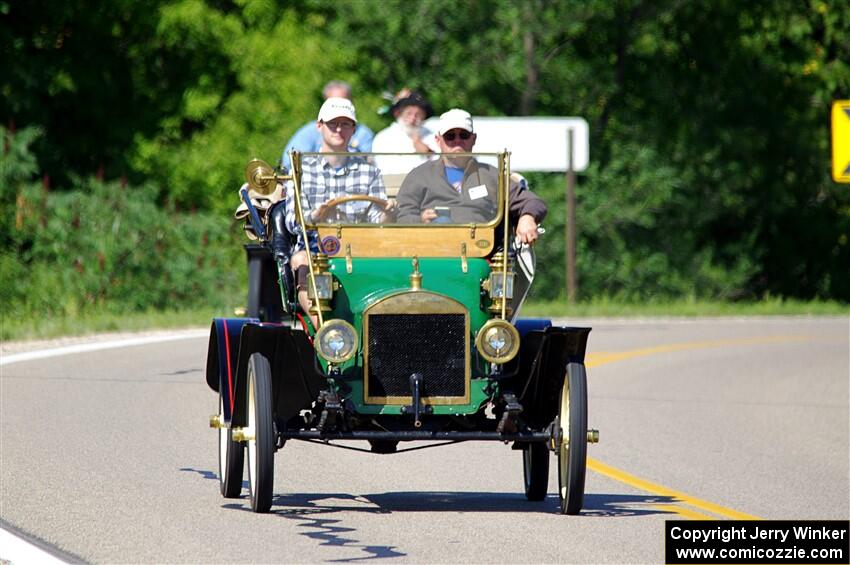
x=477, y=192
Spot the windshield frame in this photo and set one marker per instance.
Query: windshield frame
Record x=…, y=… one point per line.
x=457, y=234
x=502, y=166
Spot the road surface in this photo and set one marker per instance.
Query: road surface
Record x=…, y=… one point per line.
x=107, y=456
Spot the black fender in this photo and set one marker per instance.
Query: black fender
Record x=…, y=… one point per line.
x=222, y=356
x=296, y=382
x=543, y=357
x=525, y=325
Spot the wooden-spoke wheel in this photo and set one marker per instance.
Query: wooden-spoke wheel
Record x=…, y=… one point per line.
x=260, y=433
x=572, y=451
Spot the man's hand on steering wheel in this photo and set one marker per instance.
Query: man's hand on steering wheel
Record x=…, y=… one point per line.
x=390, y=211
x=322, y=213
x=319, y=213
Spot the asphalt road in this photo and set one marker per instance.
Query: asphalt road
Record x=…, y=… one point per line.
x=106, y=455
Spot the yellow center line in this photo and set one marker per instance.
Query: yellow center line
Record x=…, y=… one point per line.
x=642, y=484
x=603, y=358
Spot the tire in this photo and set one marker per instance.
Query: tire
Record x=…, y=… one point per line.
x=260, y=430
x=572, y=452
x=231, y=459
x=535, y=470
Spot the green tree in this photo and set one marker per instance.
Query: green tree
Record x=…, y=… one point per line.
x=279, y=67
x=95, y=76
x=709, y=171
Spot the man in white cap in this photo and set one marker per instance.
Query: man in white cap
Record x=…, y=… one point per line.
x=458, y=189
x=327, y=177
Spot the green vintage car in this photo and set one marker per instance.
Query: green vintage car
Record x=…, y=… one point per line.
x=413, y=335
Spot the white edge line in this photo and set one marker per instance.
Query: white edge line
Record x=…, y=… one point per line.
x=98, y=346
x=18, y=550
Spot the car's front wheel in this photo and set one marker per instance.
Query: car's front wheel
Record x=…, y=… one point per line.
x=260, y=433
x=572, y=451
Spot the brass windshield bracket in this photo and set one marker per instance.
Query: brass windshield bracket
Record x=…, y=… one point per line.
x=348, y=264
x=463, y=264
x=299, y=214
x=505, y=165
x=339, y=232
x=472, y=232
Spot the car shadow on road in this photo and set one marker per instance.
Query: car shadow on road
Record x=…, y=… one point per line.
x=322, y=514
x=319, y=524
x=595, y=504
x=619, y=505
x=413, y=501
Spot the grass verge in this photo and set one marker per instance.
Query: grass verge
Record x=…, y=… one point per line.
x=44, y=328
x=606, y=307
x=92, y=323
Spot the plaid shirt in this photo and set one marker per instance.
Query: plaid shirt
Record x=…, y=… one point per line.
x=321, y=182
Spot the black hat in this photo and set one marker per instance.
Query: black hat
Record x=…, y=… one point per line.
x=407, y=97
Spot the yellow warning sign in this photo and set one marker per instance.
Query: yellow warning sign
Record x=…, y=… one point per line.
x=840, y=140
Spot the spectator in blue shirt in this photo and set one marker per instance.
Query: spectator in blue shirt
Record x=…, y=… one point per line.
x=309, y=139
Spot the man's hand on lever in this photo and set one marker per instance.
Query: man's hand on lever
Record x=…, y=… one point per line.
x=526, y=229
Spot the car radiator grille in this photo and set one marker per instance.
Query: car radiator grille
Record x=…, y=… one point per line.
x=434, y=345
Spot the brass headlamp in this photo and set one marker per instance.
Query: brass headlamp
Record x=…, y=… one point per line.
x=497, y=341
x=336, y=341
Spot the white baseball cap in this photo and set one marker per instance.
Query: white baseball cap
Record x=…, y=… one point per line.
x=455, y=119
x=337, y=108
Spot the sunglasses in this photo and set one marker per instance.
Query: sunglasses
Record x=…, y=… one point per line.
x=451, y=136
x=333, y=126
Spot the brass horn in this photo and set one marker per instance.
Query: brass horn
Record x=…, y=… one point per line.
x=261, y=177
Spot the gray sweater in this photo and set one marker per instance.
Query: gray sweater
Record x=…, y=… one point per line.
x=426, y=187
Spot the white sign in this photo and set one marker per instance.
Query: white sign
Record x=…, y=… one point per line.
x=535, y=143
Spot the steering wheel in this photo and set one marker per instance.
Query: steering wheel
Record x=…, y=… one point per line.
x=332, y=205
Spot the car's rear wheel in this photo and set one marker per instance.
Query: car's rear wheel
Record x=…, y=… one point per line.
x=260, y=433
x=231, y=459
x=572, y=451
x=535, y=467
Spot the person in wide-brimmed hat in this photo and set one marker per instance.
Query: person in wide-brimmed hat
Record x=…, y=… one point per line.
x=406, y=135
